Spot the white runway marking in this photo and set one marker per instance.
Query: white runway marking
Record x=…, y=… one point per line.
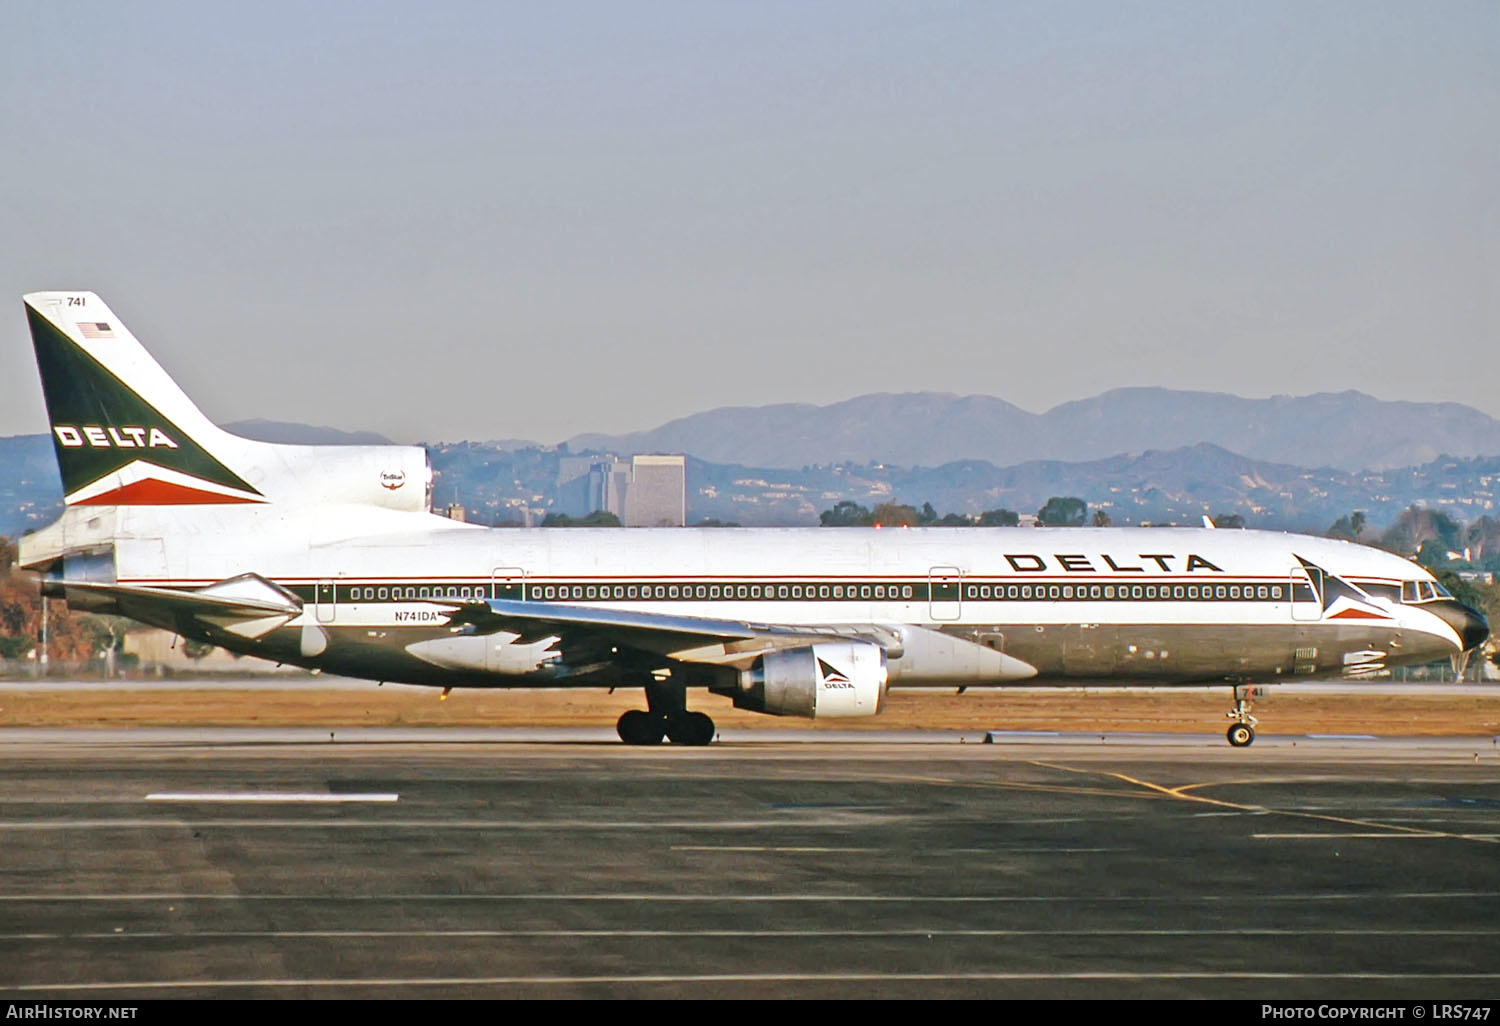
x=753, y=847
x=264, y=796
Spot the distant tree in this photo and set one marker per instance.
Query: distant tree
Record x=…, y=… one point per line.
x=928, y=514
x=1229, y=520
x=1348, y=527
x=1063, y=511
x=999, y=518
x=1101, y=518
x=890, y=514
x=954, y=520
x=1483, y=539
x=598, y=518
x=846, y=514
x=1416, y=526
x=1469, y=594
x=715, y=522
x=1434, y=556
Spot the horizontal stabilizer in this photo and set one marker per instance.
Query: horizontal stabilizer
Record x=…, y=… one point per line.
x=248, y=601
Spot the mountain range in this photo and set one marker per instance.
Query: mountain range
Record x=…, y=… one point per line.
x=1348, y=430
x=1142, y=455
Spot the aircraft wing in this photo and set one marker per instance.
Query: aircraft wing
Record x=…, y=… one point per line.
x=698, y=639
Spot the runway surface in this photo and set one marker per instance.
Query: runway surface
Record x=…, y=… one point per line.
x=558, y=863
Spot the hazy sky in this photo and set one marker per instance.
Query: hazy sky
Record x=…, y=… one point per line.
x=443, y=221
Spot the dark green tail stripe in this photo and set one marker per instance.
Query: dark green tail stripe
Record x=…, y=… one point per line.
x=81, y=394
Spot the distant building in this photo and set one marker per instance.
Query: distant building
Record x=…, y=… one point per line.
x=589, y=483
x=657, y=496
x=645, y=491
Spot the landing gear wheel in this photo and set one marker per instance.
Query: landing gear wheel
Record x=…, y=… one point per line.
x=690, y=728
x=1242, y=730
x=641, y=728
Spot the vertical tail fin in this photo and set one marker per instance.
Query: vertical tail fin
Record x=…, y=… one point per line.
x=124, y=433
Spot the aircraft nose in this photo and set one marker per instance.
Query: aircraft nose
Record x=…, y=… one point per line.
x=1470, y=625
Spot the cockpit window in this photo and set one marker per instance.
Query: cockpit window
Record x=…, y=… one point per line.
x=1385, y=591
x=1413, y=592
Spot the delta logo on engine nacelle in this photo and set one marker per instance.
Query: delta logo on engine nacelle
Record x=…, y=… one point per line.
x=834, y=678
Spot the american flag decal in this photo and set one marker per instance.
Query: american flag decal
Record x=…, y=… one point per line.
x=96, y=329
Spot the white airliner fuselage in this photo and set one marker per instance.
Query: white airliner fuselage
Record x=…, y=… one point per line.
x=326, y=558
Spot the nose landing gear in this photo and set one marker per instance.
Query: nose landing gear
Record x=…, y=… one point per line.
x=1242, y=731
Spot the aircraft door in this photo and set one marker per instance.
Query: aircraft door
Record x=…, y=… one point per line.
x=1307, y=594
x=945, y=592
x=508, y=582
x=325, y=601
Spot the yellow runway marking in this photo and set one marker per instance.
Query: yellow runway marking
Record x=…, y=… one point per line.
x=1005, y=785
x=1181, y=794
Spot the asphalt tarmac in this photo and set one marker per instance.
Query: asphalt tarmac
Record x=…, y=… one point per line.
x=558, y=863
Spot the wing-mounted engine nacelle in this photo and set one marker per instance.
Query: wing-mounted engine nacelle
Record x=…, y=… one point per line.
x=834, y=678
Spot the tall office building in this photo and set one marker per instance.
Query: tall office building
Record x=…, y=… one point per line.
x=646, y=491
x=657, y=496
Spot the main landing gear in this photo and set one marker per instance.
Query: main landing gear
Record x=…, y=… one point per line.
x=1242, y=730
x=666, y=716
